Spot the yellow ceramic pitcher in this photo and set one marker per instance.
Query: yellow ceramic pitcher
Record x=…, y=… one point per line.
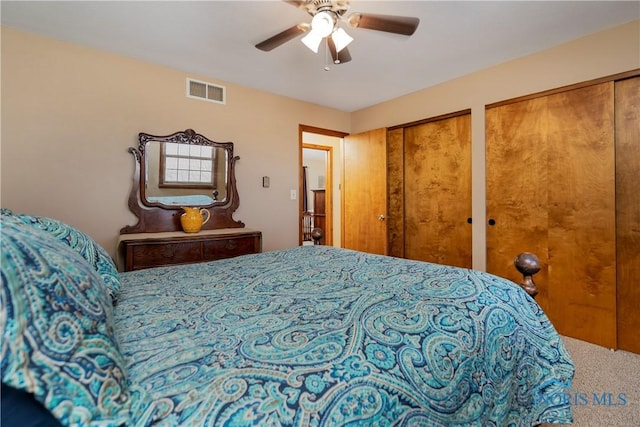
x=193, y=219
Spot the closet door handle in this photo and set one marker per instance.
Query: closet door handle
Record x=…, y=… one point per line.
x=492, y=221
x=469, y=221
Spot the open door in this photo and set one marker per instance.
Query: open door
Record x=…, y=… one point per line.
x=364, y=192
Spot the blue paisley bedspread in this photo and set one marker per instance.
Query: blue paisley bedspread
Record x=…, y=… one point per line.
x=321, y=336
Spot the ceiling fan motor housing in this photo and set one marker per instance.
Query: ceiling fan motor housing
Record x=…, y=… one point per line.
x=339, y=7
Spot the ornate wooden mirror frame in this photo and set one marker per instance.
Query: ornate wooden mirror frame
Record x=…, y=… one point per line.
x=155, y=217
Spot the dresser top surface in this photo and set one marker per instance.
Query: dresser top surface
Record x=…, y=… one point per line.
x=181, y=234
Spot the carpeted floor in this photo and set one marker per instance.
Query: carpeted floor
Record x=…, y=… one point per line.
x=605, y=390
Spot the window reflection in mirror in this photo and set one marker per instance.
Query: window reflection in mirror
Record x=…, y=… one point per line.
x=187, y=166
x=185, y=174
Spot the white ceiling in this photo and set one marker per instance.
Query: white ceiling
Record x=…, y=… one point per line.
x=217, y=38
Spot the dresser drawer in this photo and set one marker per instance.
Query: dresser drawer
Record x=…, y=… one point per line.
x=230, y=247
x=157, y=254
x=141, y=251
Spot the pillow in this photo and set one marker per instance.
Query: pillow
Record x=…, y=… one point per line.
x=57, y=338
x=90, y=250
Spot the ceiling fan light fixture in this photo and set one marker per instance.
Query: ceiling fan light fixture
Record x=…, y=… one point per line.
x=323, y=23
x=341, y=39
x=312, y=41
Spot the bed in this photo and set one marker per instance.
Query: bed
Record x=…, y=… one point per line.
x=306, y=336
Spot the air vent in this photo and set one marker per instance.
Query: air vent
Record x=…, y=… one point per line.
x=206, y=91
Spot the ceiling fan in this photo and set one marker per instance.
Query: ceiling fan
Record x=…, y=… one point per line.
x=325, y=25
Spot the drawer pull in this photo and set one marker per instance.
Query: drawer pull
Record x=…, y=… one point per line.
x=168, y=251
x=231, y=245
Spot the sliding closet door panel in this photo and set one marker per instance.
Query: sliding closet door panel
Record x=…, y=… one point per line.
x=628, y=212
x=437, y=191
x=582, y=213
x=551, y=191
x=517, y=183
x=395, y=182
x=364, y=192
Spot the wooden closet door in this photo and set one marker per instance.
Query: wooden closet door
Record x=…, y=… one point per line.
x=364, y=192
x=517, y=183
x=550, y=190
x=582, y=241
x=395, y=191
x=437, y=191
x=628, y=212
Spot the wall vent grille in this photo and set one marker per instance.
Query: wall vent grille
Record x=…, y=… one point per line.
x=206, y=91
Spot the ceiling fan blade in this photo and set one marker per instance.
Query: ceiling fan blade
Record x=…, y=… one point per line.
x=283, y=37
x=297, y=3
x=405, y=25
x=338, y=57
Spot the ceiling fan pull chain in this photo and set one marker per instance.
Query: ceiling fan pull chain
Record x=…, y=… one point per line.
x=326, y=54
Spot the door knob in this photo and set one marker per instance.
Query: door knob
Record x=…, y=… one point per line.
x=381, y=217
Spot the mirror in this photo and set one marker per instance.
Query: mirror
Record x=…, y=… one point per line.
x=184, y=169
x=184, y=175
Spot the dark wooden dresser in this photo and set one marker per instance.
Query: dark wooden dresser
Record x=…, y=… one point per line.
x=158, y=198
x=145, y=250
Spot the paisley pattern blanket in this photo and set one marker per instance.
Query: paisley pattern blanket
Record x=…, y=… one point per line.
x=320, y=336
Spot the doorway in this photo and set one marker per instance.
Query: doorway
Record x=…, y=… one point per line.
x=317, y=202
x=320, y=177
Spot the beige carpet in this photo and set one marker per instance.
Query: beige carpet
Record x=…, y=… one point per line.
x=605, y=391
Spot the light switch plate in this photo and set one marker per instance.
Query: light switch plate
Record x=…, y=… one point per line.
x=265, y=181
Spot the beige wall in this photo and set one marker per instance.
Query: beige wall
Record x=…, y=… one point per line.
x=602, y=54
x=69, y=114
